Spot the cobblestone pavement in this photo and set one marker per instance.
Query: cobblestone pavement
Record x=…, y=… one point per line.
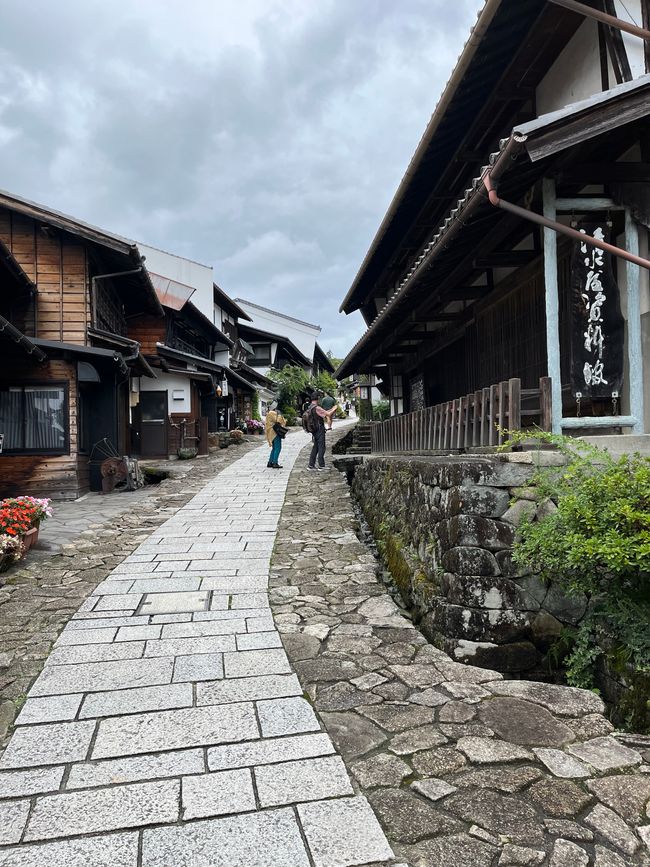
x=462, y=767
x=38, y=596
x=167, y=726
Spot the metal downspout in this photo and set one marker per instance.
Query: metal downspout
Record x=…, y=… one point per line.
x=560, y=228
x=604, y=17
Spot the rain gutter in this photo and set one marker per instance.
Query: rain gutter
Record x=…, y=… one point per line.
x=19, y=338
x=560, y=228
x=604, y=17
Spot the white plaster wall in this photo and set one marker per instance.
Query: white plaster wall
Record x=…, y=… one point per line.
x=302, y=336
x=183, y=271
x=575, y=75
x=170, y=382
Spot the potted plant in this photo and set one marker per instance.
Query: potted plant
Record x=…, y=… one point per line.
x=253, y=426
x=20, y=517
x=11, y=550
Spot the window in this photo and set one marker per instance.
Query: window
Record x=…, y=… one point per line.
x=34, y=418
x=261, y=353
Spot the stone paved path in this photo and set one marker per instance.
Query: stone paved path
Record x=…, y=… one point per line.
x=462, y=767
x=167, y=726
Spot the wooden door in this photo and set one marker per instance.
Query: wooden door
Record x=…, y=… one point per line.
x=153, y=438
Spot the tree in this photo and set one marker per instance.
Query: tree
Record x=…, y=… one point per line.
x=292, y=381
x=325, y=382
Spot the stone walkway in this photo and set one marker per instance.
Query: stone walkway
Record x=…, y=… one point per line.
x=167, y=726
x=462, y=767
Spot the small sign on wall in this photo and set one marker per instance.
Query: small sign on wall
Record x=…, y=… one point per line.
x=178, y=394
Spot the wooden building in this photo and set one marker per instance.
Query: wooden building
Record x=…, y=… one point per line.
x=67, y=291
x=475, y=291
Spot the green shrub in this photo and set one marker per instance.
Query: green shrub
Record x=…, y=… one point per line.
x=381, y=410
x=595, y=540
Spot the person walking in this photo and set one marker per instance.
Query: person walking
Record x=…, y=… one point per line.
x=329, y=403
x=315, y=425
x=274, y=439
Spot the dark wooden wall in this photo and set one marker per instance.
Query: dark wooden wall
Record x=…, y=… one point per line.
x=59, y=267
x=56, y=476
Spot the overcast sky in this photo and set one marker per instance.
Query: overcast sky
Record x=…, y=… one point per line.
x=263, y=137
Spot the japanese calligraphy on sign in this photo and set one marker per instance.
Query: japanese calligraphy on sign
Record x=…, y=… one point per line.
x=597, y=326
x=417, y=393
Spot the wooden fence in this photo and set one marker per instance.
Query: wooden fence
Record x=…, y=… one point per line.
x=468, y=422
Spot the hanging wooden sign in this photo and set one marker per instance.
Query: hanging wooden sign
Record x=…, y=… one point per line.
x=417, y=393
x=597, y=324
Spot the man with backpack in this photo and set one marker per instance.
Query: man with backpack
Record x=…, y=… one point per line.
x=313, y=421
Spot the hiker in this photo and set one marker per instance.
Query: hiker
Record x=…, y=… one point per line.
x=275, y=429
x=313, y=421
x=327, y=402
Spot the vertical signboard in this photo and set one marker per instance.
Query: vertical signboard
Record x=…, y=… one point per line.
x=597, y=325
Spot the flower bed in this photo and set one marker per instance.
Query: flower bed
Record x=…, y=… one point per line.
x=20, y=518
x=253, y=426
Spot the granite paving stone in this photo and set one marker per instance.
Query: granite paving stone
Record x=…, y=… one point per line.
x=302, y=780
x=269, y=751
x=217, y=794
x=112, y=850
x=203, y=629
x=14, y=784
x=198, y=667
x=95, y=653
x=343, y=832
x=187, y=646
x=255, y=662
x=101, y=676
x=126, y=701
x=55, y=708
x=13, y=818
x=286, y=716
x=175, y=729
x=50, y=744
x=120, y=806
x=134, y=768
x=262, y=839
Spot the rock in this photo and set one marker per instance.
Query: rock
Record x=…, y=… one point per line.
x=495, y=625
x=475, y=500
x=407, y=818
x=606, y=754
x=438, y=761
x=348, y=644
x=545, y=629
x=606, y=858
x=378, y=609
x=326, y=668
x=417, y=739
x=469, y=561
x=507, y=780
x=483, y=590
x=317, y=630
x=343, y=696
x=471, y=692
x=6, y=659
x=512, y=657
x=380, y=770
x=626, y=795
x=520, y=855
x=559, y=799
x=415, y=675
x=482, y=834
x=560, y=764
x=8, y=713
x=476, y=531
x=561, y=700
x=567, y=854
x=485, y=751
x=456, y=731
x=519, y=511
x=456, y=712
x=566, y=609
x=607, y=824
x=429, y=698
x=521, y=722
x=458, y=850
x=394, y=691
x=433, y=789
x=368, y=681
x=594, y=725
x=500, y=814
x=300, y=645
x=456, y=671
x=570, y=830
x=398, y=717
x=353, y=735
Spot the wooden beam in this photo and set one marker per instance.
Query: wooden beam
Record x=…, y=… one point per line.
x=506, y=259
x=466, y=293
x=603, y=173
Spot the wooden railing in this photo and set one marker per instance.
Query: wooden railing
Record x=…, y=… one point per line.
x=473, y=421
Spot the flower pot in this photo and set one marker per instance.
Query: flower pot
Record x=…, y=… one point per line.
x=30, y=538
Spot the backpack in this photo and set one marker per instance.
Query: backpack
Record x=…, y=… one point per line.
x=309, y=422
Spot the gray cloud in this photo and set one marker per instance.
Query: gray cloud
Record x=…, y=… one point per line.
x=264, y=137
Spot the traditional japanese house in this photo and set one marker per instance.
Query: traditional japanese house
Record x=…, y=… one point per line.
x=67, y=291
x=489, y=292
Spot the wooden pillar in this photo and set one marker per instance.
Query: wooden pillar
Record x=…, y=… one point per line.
x=634, y=346
x=552, y=307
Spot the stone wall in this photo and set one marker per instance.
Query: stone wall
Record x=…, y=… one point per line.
x=445, y=528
